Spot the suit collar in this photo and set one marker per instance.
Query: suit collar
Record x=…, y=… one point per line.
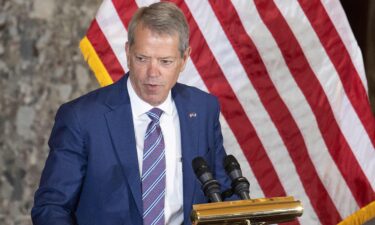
x=118, y=93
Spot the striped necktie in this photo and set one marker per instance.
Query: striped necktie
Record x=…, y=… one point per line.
x=153, y=171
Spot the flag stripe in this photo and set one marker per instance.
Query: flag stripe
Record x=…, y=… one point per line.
x=125, y=10
x=114, y=31
x=245, y=93
x=340, y=57
x=298, y=106
x=104, y=51
x=278, y=111
x=249, y=99
x=313, y=92
x=343, y=111
x=243, y=129
x=338, y=17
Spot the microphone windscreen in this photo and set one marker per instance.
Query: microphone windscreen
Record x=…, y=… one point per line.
x=200, y=166
x=231, y=163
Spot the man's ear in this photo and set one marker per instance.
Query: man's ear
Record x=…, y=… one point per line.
x=127, y=48
x=185, y=58
x=127, y=53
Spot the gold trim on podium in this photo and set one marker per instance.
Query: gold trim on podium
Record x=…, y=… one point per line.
x=254, y=211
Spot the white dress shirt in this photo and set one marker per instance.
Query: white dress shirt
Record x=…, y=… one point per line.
x=170, y=126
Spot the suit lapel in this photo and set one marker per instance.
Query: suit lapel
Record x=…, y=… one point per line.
x=188, y=117
x=120, y=125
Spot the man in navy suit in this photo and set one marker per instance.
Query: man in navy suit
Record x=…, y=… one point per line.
x=93, y=172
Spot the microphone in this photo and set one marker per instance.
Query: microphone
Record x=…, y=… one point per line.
x=240, y=184
x=210, y=186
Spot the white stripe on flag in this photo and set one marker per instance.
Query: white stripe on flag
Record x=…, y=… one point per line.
x=296, y=103
x=142, y=3
x=329, y=79
x=114, y=30
x=341, y=23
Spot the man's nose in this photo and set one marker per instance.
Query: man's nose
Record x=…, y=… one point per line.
x=153, y=68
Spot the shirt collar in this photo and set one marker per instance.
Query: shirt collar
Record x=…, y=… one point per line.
x=140, y=107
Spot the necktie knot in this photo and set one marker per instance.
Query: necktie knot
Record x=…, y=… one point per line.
x=154, y=114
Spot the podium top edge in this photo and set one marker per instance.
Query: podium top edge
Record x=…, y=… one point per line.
x=273, y=200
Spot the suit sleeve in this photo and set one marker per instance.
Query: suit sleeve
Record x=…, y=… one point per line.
x=57, y=196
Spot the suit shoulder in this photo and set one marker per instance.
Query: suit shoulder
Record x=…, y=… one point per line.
x=92, y=100
x=196, y=92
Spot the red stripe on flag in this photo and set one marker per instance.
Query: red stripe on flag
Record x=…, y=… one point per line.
x=340, y=58
x=241, y=126
x=104, y=51
x=125, y=10
x=280, y=115
x=314, y=93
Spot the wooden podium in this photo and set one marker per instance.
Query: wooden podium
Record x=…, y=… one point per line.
x=254, y=211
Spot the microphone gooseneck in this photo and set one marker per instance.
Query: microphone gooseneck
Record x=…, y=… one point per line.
x=210, y=186
x=240, y=184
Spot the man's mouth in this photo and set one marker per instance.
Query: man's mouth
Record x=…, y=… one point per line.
x=153, y=87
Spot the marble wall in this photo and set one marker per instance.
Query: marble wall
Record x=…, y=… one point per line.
x=40, y=68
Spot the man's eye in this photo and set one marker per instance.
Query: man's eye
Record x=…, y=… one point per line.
x=166, y=62
x=140, y=59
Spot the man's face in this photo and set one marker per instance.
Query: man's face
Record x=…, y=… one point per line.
x=154, y=63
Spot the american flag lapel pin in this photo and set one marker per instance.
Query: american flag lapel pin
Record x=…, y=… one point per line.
x=192, y=114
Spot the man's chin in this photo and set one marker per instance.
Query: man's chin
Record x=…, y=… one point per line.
x=154, y=100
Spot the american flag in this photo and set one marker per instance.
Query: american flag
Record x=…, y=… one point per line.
x=290, y=79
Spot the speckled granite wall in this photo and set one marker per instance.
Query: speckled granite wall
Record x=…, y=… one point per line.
x=40, y=68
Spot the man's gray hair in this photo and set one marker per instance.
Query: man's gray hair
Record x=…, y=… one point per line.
x=162, y=18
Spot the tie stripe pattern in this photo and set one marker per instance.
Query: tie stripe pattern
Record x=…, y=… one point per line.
x=153, y=171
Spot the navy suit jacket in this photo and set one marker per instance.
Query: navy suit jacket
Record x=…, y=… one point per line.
x=91, y=176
